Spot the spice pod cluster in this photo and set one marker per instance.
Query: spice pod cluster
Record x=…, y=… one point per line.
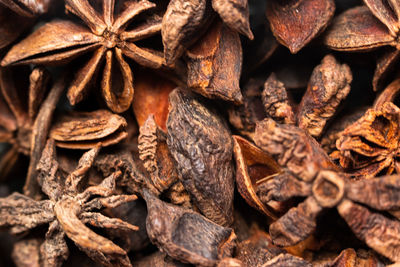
x=220, y=133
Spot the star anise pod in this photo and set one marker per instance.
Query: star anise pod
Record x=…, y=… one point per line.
x=357, y=202
x=19, y=109
x=296, y=22
x=105, y=35
x=370, y=146
x=186, y=20
x=366, y=27
x=329, y=84
x=67, y=211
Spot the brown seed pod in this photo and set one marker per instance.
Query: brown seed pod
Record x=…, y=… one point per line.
x=84, y=130
x=253, y=166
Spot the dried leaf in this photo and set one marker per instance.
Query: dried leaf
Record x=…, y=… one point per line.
x=201, y=145
x=214, y=64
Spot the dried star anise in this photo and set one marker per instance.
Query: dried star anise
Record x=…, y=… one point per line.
x=67, y=211
x=186, y=20
x=370, y=146
x=328, y=86
x=105, y=35
x=296, y=22
x=326, y=187
x=15, y=119
x=365, y=27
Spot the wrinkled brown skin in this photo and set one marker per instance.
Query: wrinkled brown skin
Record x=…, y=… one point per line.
x=377, y=231
x=214, y=64
x=328, y=86
x=106, y=37
x=292, y=148
x=156, y=158
x=186, y=235
x=182, y=25
x=201, y=145
x=235, y=14
x=296, y=22
x=276, y=101
x=85, y=130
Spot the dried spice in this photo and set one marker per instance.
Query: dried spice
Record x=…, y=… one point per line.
x=214, y=64
x=329, y=84
x=369, y=146
x=201, y=145
x=186, y=235
x=223, y=158
x=85, y=130
x=325, y=187
x=104, y=34
x=67, y=211
x=16, y=120
x=296, y=22
x=366, y=27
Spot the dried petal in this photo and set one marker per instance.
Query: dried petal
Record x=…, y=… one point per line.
x=357, y=29
x=214, y=64
x=83, y=130
x=201, y=145
x=186, y=235
x=384, y=66
x=296, y=23
x=235, y=14
x=383, y=10
x=181, y=25
x=54, y=250
x=328, y=86
x=9, y=30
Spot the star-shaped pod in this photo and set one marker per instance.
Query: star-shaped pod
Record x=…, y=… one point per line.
x=366, y=27
x=358, y=202
x=370, y=146
x=106, y=35
x=68, y=210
